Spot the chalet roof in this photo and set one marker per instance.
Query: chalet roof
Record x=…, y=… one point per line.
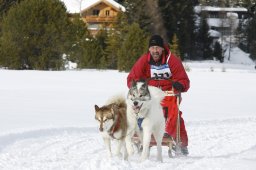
x=75, y=6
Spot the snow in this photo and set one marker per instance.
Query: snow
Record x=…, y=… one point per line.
x=74, y=6
x=232, y=14
x=47, y=119
x=198, y=9
x=214, y=33
x=218, y=22
x=238, y=57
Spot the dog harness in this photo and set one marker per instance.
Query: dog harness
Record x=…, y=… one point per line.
x=139, y=122
x=114, y=127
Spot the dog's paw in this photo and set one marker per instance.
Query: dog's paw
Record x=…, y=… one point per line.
x=109, y=154
x=125, y=156
x=130, y=151
x=144, y=154
x=129, y=148
x=160, y=159
x=143, y=158
x=118, y=154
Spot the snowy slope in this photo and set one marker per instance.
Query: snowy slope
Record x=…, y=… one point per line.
x=213, y=145
x=47, y=120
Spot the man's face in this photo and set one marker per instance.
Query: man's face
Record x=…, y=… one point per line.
x=156, y=52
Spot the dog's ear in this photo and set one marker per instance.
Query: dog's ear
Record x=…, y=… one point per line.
x=145, y=89
x=133, y=83
x=96, y=108
x=145, y=85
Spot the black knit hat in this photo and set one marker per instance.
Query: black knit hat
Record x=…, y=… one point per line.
x=156, y=40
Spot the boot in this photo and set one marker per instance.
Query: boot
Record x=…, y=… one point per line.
x=184, y=150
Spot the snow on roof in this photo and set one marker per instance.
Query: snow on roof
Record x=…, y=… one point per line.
x=214, y=33
x=198, y=9
x=209, y=8
x=75, y=6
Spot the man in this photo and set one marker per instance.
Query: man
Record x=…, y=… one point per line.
x=167, y=72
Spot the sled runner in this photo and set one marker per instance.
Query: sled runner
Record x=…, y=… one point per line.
x=172, y=116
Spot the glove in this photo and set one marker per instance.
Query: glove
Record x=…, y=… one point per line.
x=178, y=86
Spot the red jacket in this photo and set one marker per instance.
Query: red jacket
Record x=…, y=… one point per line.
x=141, y=70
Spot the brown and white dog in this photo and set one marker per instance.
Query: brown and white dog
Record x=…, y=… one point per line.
x=113, y=123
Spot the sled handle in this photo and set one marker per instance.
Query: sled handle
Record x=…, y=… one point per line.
x=163, y=78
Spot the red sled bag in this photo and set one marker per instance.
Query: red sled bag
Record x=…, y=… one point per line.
x=170, y=109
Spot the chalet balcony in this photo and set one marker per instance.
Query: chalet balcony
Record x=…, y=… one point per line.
x=99, y=19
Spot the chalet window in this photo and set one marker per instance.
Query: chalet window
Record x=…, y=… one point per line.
x=95, y=12
x=107, y=12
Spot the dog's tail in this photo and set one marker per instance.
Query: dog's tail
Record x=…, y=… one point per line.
x=119, y=100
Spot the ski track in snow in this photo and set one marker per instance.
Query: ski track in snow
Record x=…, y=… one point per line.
x=220, y=143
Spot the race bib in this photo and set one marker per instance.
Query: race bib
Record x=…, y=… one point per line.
x=160, y=72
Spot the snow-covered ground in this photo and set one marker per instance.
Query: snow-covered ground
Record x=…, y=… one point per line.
x=47, y=119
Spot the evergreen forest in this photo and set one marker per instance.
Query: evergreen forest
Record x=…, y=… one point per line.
x=45, y=38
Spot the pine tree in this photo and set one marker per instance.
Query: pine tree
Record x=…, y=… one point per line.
x=218, y=52
x=86, y=51
x=239, y=3
x=204, y=40
x=80, y=35
x=91, y=54
x=101, y=40
x=247, y=3
x=133, y=46
x=251, y=38
x=35, y=38
x=5, y=5
x=137, y=12
x=114, y=41
x=178, y=16
x=120, y=1
x=110, y=54
x=175, y=46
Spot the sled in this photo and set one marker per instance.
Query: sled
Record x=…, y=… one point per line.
x=174, y=146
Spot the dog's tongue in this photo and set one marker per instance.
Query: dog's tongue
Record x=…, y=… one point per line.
x=136, y=108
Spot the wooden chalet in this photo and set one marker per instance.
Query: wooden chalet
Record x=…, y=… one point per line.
x=98, y=14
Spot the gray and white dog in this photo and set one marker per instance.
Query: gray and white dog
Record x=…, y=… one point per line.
x=145, y=117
